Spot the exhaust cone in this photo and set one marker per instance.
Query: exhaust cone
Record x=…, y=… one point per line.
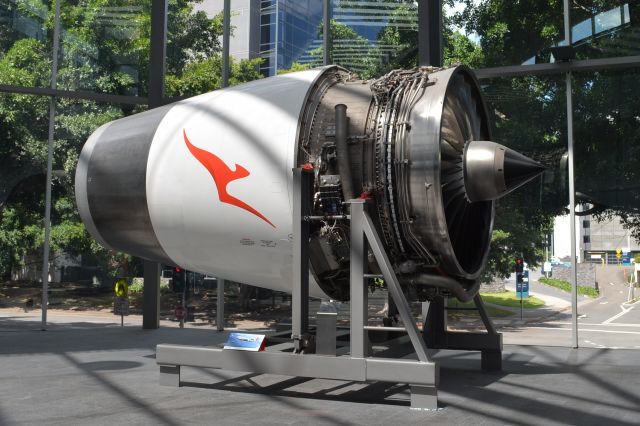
x=492, y=170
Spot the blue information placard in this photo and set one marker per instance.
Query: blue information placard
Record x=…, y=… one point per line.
x=245, y=342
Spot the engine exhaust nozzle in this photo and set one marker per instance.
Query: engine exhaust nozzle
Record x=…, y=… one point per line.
x=492, y=170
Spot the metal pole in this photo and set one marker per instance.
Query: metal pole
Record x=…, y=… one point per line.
x=358, y=259
x=326, y=32
x=226, y=31
x=423, y=33
x=157, y=61
x=572, y=198
x=47, y=202
x=157, y=56
x=220, y=305
x=302, y=187
x=430, y=33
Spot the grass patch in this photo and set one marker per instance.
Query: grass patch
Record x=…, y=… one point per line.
x=491, y=310
x=566, y=286
x=509, y=299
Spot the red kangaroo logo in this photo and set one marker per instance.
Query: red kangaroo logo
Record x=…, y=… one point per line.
x=222, y=175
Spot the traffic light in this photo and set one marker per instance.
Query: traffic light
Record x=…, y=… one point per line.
x=177, y=280
x=519, y=265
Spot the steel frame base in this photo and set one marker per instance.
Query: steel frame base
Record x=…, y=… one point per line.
x=294, y=355
x=421, y=376
x=437, y=336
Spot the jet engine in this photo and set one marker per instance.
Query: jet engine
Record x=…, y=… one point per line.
x=206, y=183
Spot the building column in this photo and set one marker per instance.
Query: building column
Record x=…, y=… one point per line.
x=157, y=59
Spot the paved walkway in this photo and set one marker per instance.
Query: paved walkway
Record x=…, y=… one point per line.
x=101, y=374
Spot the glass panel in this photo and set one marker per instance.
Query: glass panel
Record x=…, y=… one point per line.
x=607, y=154
x=25, y=43
x=82, y=271
x=291, y=35
x=605, y=28
x=105, y=48
x=372, y=38
x=23, y=156
x=194, y=56
x=508, y=32
x=529, y=115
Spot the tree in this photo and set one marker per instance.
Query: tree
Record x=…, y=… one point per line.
x=94, y=53
x=529, y=115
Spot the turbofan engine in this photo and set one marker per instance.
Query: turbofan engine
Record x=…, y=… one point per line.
x=206, y=183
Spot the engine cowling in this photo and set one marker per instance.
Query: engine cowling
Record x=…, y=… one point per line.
x=206, y=183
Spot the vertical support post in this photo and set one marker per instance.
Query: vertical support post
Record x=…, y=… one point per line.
x=435, y=328
x=170, y=375
x=220, y=305
x=572, y=192
x=157, y=59
x=302, y=188
x=484, y=315
x=359, y=297
x=226, y=33
x=47, y=203
x=424, y=311
x=151, y=296
x=326, y=32
x=430, y=33
x=157, y=56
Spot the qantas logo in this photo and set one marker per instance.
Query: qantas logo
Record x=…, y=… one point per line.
x=222, y=175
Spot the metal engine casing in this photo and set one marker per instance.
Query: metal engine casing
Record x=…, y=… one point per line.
x=206, y=183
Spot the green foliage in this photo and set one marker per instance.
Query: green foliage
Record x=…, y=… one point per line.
x=509, y=299
x=206, y=75
x=491, y=310
x=296, y=66
x=99, y=52
x=137, y=286
x=566, y=286
x=459, y=49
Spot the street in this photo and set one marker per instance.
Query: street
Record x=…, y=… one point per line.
x=605, y=322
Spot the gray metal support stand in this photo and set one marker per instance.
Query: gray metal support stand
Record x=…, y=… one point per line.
x=393, y=285
x=295, y=357
x=359, y=296
x=435, y=327
x=437, y=336
x=302, y=189
x=151, y=296
x=220, y=305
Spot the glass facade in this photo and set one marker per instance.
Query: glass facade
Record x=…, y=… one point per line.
x=605, y=28
x=371, y=38
x=105, y=48
x=25, y=44
x=290, y=32
x=506, y=32
x=104, y=57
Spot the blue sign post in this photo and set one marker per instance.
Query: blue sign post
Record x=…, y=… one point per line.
x=522, y=284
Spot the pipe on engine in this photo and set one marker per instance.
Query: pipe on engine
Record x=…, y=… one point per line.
x=342, y=151
x=463, y=294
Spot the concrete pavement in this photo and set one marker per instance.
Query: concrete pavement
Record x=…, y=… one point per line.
x=101, y=374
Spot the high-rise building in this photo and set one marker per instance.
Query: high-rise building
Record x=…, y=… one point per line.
x=286, y=31
x=289, y=29
x=245, y=22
